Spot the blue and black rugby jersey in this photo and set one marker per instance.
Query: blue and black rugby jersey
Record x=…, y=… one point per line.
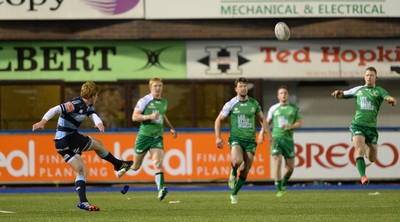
x=73, y=113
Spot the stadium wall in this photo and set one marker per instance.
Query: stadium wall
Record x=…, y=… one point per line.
x=140, y=29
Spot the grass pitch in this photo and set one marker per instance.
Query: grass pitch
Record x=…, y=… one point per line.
x=296, y=206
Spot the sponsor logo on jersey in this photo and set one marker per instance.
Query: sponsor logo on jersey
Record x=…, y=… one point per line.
x=374, y=93
x=69, y=107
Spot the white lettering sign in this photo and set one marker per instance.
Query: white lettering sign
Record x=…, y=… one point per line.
x=206, y=9
x=293, y=59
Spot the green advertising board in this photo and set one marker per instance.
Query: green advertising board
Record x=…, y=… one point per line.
x=92, y=60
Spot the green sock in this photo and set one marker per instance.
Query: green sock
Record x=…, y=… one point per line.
x=284, y=182
x=239, y=185
x=278, y=185
x=234, y=171
x=361, y=166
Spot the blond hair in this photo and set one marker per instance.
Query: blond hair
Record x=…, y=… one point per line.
x=89, y=90
x=153, y=80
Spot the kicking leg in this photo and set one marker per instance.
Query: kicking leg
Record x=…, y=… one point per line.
x=102, y=152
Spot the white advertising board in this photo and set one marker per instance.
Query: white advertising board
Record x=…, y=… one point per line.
x=330, y=155
x=70, y=9
x=206, y=9
x=328, y=59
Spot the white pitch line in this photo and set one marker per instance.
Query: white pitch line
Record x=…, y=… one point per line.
x=6, y=212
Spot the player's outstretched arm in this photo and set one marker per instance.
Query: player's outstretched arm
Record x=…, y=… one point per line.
x=391, y=100
x=47, y=116
x=39, y=125
x=338, y=94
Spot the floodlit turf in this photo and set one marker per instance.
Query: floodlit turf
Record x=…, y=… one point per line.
x=295, y=206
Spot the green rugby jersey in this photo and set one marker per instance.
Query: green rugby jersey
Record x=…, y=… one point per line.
x=148, y=105
x=283, y=115
x=368, y=103
x=242, y=115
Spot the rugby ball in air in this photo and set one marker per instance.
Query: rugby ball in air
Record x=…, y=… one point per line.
x=282, y=31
